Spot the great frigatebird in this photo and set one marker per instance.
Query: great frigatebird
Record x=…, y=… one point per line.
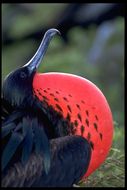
x=56, y=128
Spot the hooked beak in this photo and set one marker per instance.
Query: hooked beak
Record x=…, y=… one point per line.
x=35, y=61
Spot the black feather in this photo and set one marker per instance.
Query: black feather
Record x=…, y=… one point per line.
x=11, y=147
x=7, y=129
x=41, y=144
x=28, y=141
x=13, y=116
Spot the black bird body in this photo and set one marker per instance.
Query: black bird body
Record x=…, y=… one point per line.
x=65, y=169
x=69, y=154
x=34, y=151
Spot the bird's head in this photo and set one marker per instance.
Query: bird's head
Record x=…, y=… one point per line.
x=17, y=86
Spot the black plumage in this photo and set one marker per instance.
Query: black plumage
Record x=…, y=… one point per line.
x=65, y=169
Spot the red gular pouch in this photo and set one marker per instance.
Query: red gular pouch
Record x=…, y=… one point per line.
x=85, y=107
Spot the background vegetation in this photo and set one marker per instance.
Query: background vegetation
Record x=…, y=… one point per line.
x=95, y=52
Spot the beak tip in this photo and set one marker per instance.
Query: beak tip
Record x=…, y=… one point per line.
x=53, y=31
x=58, y=32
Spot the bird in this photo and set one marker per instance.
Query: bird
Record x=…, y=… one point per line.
x=57, y=128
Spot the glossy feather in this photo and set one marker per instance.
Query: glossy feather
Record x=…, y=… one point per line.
x=28, y=141
x=41, y=144
x=11, y=147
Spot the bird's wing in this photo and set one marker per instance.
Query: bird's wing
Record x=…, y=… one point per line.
x=70, y=156
x=21, y=135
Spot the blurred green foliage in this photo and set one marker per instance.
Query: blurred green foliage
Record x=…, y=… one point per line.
x=107, y=71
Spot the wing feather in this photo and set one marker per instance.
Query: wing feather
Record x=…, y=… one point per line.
x=41, y=144
x=28, y=141
x=11, y=147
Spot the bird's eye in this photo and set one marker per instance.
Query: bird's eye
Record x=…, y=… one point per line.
x=23, y=75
